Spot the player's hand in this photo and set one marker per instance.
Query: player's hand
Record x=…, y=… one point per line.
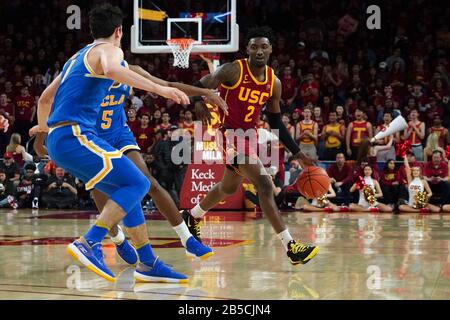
x=349, y=152
x=34, y=130
x=304, y=160
x=174, y=94
x=215, y=99
x=4, y=123
x=203, y=113
x=39, y=146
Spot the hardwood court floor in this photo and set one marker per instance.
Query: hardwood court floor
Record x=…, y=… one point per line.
x=362, y=256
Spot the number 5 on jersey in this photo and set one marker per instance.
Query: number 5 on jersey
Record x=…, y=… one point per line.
x=106, y=118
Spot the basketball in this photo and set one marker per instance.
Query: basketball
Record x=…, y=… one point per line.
x=313, y=182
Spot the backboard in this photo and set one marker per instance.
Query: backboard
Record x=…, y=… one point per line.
x=211, y=23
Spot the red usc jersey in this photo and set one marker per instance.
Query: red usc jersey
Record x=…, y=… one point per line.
x=246, y=98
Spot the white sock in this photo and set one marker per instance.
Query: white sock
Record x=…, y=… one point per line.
x=285, y=237
x=198, y=212
x=120, y=236
x=183, y=232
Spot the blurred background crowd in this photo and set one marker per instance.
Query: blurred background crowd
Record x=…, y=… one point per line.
x=341, y=82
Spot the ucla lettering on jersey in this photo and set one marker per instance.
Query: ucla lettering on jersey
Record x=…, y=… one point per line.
x=112, y=117
x=80, y=92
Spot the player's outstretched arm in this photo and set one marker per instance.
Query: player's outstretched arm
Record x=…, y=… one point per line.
x=227, y=74
x=274, y=117
x=110, y=60
x=209, y=95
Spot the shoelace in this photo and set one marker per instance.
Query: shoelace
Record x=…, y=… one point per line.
x=98, y=253
x=197, y=229
x=298, y=247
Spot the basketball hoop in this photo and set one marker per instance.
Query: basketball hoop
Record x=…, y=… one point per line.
x=181, y=48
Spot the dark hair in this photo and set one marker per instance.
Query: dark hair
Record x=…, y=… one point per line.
x=2, y=170
x=104, y=19
x=30, y=166
x=386, y=164
x=363, y=150
x=438, y=151
x=260, y=32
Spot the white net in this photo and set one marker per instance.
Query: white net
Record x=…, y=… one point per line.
x=181, y=49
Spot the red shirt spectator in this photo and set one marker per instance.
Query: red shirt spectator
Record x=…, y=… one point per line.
x=309, y=90
x=289, y=85
x=25, y=106
x=144, y=134
x=435, y=169
x=341, y=172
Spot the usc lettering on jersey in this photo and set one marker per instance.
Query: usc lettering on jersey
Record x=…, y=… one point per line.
x=246, y=98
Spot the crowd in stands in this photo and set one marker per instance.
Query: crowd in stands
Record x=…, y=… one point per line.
x=339, y=88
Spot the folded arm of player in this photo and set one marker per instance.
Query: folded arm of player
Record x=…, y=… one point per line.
x=110, y=60
x=274, y=118
x=210, y=96
x=227, y=74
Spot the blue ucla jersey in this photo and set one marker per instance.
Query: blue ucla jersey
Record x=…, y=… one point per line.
x=112, y=118
x=80, y=93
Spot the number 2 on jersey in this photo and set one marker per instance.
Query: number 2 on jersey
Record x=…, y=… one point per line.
x=106, y=118
x=251, y=111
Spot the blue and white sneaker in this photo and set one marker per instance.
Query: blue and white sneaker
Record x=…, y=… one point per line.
x=158, y=272
x=91, y=257
x=126, y=251
x=197, y=249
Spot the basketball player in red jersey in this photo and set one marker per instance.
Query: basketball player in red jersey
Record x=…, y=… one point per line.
x=357, y=131
x=247, y=85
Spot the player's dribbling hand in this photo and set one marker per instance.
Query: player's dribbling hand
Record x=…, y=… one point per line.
x=35, y=130
x=174, y=94
x=215, y=99
x=39, y=146
x=4, y=123
x=304, y=160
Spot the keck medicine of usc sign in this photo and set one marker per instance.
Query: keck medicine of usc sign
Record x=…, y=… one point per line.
x=201, y=177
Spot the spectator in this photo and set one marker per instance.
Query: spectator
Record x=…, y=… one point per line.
x=396, y=57
x=28, y=191
x=144, y=133
x=61, y=192
x=436, y=174
x=11, y=168
x=415, y=134
x=341, y=115
x=431, y=146
x=357, y=131
x=307, y=134
x=341, y=177
x=188, y=124
x=7, y=199
x=20, y=155
x=165, y=124
x=333, y=133
x=132, y=120
x=441, y=132
x=147, y=108
x=309, y=90
x=290, y=90
x=25, y=109
x=156, y=118
x=389, y=183
x=389, y=153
